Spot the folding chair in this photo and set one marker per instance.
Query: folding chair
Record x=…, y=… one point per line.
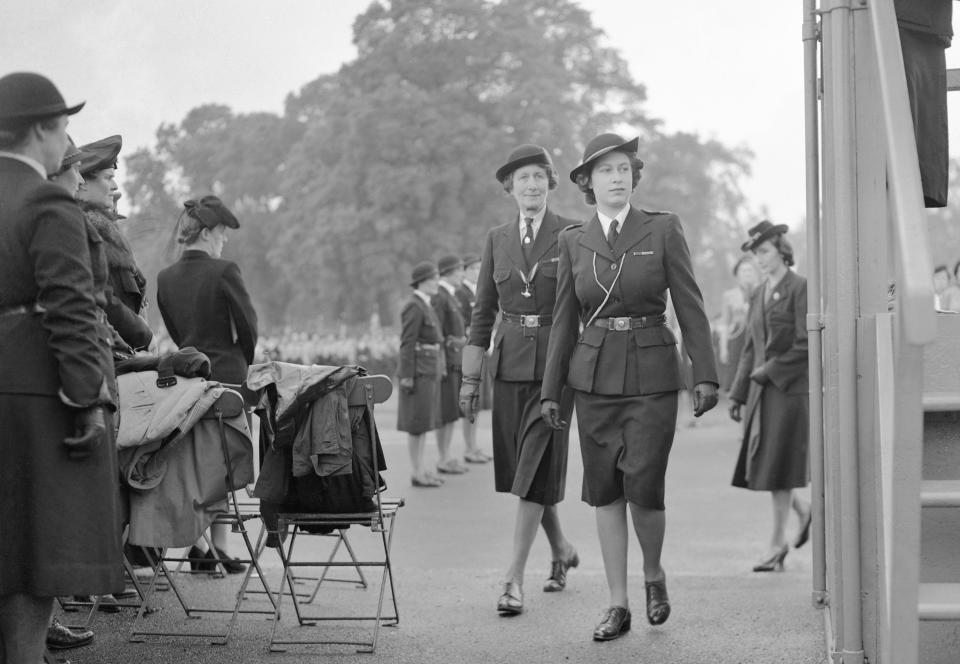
x=366, y=391
x=228, y=405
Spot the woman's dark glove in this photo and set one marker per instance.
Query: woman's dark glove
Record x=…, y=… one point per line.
x=550, y=412
x=408, y=385
x=91, y=431
x=735, y=410
x=704, y=398
x=469, y=398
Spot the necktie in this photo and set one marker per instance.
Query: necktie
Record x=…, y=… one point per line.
x=527, y=242
x=612, y=233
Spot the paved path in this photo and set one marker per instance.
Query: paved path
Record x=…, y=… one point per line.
x=452, y=545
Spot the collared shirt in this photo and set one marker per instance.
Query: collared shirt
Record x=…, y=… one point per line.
x=621, y=217
x=537, y=220
x=29, y=161
x=447, y=286
x=423, y=296
x=470, y=285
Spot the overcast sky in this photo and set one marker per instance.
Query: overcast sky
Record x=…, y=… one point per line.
x=733, y=72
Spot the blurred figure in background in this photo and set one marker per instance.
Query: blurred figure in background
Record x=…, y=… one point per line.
x=518, y=279
x=419, y=370
x=467, y=297
x=772, y=380
x=58, y=479
x=452, y=325
x=205, y=304
x=946, y=293
x=733, y=318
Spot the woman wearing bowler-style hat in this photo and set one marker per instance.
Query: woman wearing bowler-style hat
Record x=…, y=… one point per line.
x=624, y=367
x=518, y=280
x=204, y=303
x=420, y=368
x=772, y=380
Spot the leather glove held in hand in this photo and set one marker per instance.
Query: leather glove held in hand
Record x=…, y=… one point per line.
x=704, y=398
x=469, y=399
x=550, y=412
x=91, y=431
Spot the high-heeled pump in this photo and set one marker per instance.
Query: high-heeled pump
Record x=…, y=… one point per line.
x=774, y=563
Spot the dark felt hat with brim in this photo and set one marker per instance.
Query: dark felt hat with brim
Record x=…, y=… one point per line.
x=449, y=263
x=524, y=155
x=470, y=259
x=422, y=272
x=72, y=155
x=762, y=232
x=601, y=145
x=25, y=96
x=211, y=212
x=101, y=154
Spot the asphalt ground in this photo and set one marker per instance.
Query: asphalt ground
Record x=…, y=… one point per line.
x=452, y=546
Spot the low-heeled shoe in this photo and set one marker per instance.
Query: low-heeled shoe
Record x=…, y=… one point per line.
x=616, y=621
x=511, y=601
x=452, y=467
x=201, y=561
x=232, y=565
x=61, y=637
x=658, y=603
x=557, y=580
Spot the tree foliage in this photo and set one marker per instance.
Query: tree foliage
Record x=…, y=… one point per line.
x=390, y=161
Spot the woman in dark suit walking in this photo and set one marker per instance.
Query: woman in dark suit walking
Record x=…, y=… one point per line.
x=204, y=304
x=772, y=380
x=518, y=278
x=624, y=367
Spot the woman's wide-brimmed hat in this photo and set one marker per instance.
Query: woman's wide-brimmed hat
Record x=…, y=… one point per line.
x=601, y=145
x=524, y=155
x=26, y=96
x=101, y=154
x=422, y=272
x=761, y=233
x=211, y=212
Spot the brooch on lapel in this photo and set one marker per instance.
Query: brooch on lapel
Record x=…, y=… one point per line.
x=776, y=296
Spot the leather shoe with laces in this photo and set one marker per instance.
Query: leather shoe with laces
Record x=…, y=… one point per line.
x=658, y=603
x=61, y=637
x=557, y=580
x=511, y=601
x=616, y=621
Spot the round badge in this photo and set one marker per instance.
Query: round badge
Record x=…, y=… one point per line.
x=776, y=296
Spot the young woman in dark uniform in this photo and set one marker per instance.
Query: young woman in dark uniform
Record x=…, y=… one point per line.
x=773, y=381
x=518, y=278
x=624, y=367
x=204, y=304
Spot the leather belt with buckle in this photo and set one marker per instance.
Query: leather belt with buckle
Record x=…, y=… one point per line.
x=528, y=320
x=622, y=323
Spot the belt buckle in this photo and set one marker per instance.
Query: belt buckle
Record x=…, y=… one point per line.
x=620, y=323
x=530, y=320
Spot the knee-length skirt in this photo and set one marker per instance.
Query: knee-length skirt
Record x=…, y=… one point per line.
x=625, y=442
x=529, y=458
x=774, y=450
x=450, y=396
x=419, y=412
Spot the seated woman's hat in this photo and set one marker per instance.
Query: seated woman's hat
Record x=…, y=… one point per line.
x=28, y=96
x=211, y=212
x=601, y=145
x=101, y=154
x=524, y=155
x=762, y=232
x=422, y=272
x=73, y=154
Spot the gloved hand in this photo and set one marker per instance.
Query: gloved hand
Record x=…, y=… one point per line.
x=550, y=412
x=408, y=385
x=470, y=398
x=759, y=376
x=91, y=431
x=735, y=410
x=704, y=398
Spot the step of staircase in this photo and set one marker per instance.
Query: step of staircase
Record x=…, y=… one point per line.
x=940, y=493
x=939, y=601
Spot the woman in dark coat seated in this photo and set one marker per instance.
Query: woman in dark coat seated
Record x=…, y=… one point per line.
x=205, y=304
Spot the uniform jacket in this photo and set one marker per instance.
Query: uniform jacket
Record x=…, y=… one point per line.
x=465, y=300
x=419, y=325
x=45, y=260
x=519, y=354
x=451, y=325
x=776, y=341
x=655, y=258
x=204, y=304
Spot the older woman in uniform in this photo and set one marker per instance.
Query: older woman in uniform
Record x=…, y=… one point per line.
x=58, y=478
x=518, y=278
x=204, y=303
x=419, y=369
x=614, y=274
x=772, y=380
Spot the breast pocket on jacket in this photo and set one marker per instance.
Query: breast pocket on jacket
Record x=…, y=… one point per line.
x=548, y=268
x=583, y=361
x=781, y=330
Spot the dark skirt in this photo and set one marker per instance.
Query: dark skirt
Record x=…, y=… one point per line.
x=728, y=371
x=773, y=452
x=58, y=517
x=450, y=396
x=625, y=442
x=419, y=412
x=529, y=458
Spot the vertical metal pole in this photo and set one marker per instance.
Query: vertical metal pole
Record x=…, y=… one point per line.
x=845, y=308
x=814, y=318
